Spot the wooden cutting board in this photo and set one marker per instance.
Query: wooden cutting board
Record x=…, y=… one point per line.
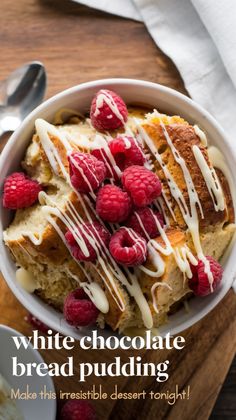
x=78, y=44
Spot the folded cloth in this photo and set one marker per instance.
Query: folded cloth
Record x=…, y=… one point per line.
x=200, y=38
x=125, y=8
x=180, y=32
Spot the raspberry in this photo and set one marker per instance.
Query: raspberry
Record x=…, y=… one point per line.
x=143, y=221
x=199, y=283
x=109, y=163
x=91, y=235
x=79, y=310
x=143, y=185
x=126, y=152
x=37, y=324
x=20, y=191
x=113, y=205
x=78, y=410
x=86, y=172
x=108, y=111
x=128, y=247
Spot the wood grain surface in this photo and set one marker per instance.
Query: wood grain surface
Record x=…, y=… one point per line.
x=78, y=44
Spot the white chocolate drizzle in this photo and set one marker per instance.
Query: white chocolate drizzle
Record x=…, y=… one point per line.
x=190, y=218
x=102, y=143
x=168, y=204
x=211, y=180
x=26, y=280
x=153, y=290
x=111, y=270
x=218, y=161
x=97, y=295
x=200, y=134
x=181, y=254
x=93, y=290
x=85, y=178
x=35, y=239
x=43, y=129
x=102, y=97
x=108, y=270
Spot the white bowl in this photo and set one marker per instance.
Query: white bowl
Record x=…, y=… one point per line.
x=31, y=409
x=79, y=98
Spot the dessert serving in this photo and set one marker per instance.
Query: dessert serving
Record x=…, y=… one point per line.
x=120, y=216
x=8, y=408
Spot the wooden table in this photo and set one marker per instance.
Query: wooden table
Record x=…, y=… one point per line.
x=78, y=44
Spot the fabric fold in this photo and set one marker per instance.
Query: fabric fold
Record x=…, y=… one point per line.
x=180, y=33
x=220, y=23
x=200, y=38
x=124, y=8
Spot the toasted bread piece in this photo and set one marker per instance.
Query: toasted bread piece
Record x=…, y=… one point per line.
x=50, y=262
x=184, y=137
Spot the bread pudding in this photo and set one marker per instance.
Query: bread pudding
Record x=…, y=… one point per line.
x=119, y=216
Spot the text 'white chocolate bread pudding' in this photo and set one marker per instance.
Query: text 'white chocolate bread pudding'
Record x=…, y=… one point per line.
x=119, y=216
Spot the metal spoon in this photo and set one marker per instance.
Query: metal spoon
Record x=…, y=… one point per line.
x=20, y=93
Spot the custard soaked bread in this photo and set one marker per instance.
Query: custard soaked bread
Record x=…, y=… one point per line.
x=131, y=210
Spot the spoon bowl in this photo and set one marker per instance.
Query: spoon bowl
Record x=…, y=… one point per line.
x=20, y=93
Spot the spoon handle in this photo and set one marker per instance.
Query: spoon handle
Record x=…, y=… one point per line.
x=2, y=131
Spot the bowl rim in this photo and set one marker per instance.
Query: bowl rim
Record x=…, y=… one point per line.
x=99, y=84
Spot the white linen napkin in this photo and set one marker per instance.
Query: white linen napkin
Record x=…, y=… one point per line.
x=125, y=8
x=200, y=37
x=187, y=39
